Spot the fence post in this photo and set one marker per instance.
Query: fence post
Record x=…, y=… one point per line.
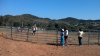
x=47, y=35
x=89, y=37
x=16, y=32
x=28, y=34
x=37, y=34
x=6, y=31
x=99, y=37
x=89, y=34
x=21, y=32
x=57, y=39
x=11, y=32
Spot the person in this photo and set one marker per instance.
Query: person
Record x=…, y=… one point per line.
x=34, y=30
x=66, y=36
x=62, y=37
x=18, y=29
x=80, y=36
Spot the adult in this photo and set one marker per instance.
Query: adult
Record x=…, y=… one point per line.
x=80, y=36
x=62, y=37
x=66, y=36
x=34, y=30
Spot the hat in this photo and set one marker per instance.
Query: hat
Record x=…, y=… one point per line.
x=62, y=29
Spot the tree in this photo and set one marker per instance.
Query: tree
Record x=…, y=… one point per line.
x=1, y=20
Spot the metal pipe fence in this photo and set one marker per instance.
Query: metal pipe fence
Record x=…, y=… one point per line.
x=27, y=34
x=51, y=36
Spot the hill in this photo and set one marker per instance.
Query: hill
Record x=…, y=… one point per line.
x=30, y=20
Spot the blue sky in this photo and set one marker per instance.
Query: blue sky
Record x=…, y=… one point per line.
x=53, y=9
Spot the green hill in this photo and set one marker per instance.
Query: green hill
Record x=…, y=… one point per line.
x=30, y=20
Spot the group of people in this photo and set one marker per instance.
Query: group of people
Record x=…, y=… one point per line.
x=64, y=36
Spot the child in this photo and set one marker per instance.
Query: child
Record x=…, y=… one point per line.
x=80, y=34
x=62, y=37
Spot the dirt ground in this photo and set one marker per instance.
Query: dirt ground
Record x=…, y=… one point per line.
x=20, y=48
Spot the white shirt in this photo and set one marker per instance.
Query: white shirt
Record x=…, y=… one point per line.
x=80, y=34
x=66, y=33
x=33, y=29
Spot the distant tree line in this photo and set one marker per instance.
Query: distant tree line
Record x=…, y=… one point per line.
x=30, y=20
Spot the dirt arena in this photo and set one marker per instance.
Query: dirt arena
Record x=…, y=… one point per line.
x=21, y=48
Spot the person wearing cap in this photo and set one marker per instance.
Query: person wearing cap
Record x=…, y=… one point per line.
x=62, y=37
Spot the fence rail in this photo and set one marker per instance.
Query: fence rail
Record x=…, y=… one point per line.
x=52, y=36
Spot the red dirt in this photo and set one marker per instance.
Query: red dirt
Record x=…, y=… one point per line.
x=19, y=48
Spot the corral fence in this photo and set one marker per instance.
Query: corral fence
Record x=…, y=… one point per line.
x=26, y=34
x=51, y=36
x=90, y=37
x=2, y=29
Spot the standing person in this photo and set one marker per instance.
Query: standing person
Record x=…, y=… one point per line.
x=62, y=37
x=66, y=35
x=80, y=35
x=18, y=29
x=34, y=30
